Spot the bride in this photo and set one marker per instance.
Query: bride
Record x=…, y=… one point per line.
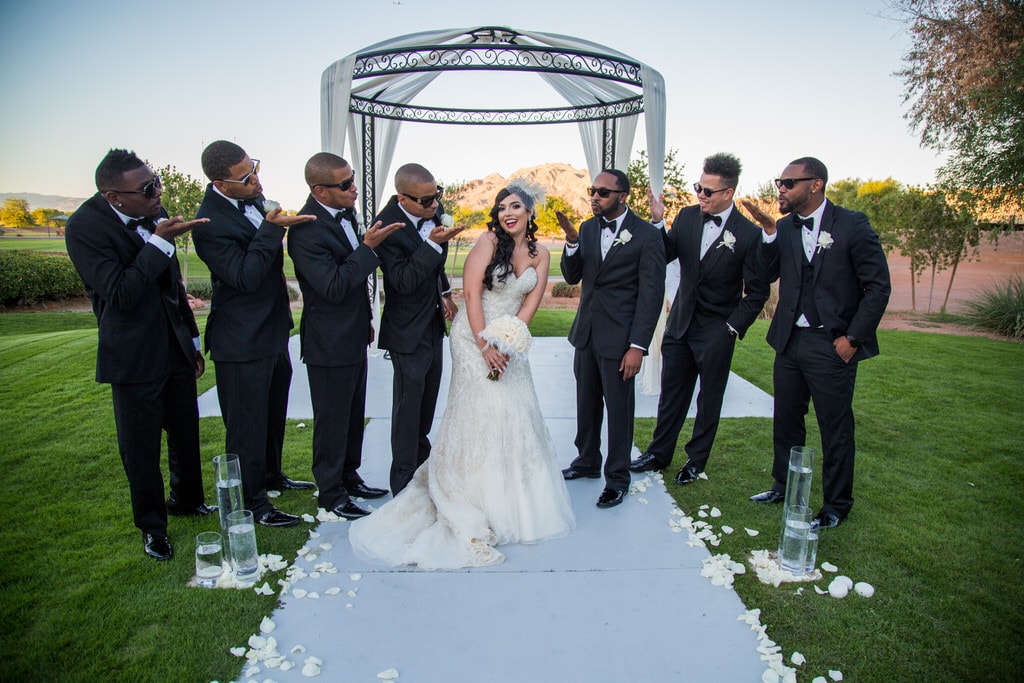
x=492, y=477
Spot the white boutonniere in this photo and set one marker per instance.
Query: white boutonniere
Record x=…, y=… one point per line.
x=824, y=241
x=728, y=241
x=447, y=221
x=624, y=237
x=360, y=227
x=269, y=205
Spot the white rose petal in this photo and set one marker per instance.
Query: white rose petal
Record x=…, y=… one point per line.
x=388, y=675
x=298, y=593
x=835, y=675
x=751, y=532
x=846, y=581
x=838, y=589
x=308, y=518
x=257, y=642
x=797, y=658
x=301, y=425
x=348, y=605
x=314, y=534
x=727, y=529
x=829, y=567
x=715, y=512
x=313, y=660
x=352, y=594
x=701, y=513
x=273, y=494
x=703, y=476
x=238, y=651
x=642, y=501
x=313, y=596
x=252, y=671
x=355, y=577
x=769, y=676
x=326, y=546
x=819, y=591
x=266, y=626
x=332, y=591
x=298, y=649
x=819, y=679
x=287, y=666
x=865, y=590
x=310, y=670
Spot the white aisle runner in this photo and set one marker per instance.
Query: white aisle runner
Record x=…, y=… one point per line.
x=620, y=599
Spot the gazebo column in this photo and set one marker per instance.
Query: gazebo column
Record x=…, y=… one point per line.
x=609, y=130
x=369, y=170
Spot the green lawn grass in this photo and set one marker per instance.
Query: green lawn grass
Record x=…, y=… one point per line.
x=934, y=528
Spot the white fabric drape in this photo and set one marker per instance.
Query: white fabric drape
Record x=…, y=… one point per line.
x=337, y=123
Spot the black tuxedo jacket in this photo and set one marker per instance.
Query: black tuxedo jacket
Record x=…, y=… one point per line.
x=851, y=278
x=250, y=315
x=725, y=283
x=622, y=294
x=137, y=296
x=414, y=279
x=335, y=325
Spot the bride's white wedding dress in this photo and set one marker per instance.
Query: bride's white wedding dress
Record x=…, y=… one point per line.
x=491, y=478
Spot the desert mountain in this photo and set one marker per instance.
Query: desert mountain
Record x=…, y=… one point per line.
x=558, y=179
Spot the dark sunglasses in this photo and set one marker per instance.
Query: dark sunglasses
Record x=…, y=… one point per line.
x=149, y=190
x=602, y=192
x=707, y=191
x=425, y=201
x=244, y=180
x=789, y=183
x=343, y=185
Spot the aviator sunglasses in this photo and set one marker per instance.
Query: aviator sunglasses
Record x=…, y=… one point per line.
x=602, y=192
x=148, y=190
x=244, y=180
x=425, y=201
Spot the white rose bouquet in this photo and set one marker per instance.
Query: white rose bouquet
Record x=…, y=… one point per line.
x=508, y=334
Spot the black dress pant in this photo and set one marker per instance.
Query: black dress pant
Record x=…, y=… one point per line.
x=339, y=409
x=253, y=398
x=141, y=412
x=809, y=369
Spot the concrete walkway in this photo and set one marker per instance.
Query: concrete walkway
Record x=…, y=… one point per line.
x=619, y=599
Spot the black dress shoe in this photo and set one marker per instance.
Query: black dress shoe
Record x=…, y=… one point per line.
x=610, y=498
x=364, y=491
x=158, y=547
x=277, y=518
x=283, y=483
x=826, y=520
x=349, y=510
x=688, y=474
x=768, y=497
x=570, y=473
x=648, y=462
x=176, y=509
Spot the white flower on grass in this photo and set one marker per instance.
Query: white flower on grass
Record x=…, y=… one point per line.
x=797, y=658
x=818, y=679
x=301, y=425
x=447, y=221
x=751, y=532
x=308, y=518
x=824, y=241
x=728, y=241
x=865, y=590
x=238, y=651
x=715, y=512
x=265, y=589
x=835, y=675
x=727, y=529
x=829, y=567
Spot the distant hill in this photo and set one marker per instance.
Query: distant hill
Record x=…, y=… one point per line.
x=45, y=201
x=558, y=179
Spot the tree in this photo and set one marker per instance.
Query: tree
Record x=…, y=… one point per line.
x=676, y=195
x=547, y=222
x=15, y=214
x=963, y=78
x=45, y=217
x=182, y=195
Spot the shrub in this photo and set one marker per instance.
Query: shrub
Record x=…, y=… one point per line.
x=1000, y=308
x=565, y=290
x=200, y=288
x=29, y=276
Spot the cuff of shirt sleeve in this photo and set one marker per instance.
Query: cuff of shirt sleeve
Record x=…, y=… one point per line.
x=637, y=346
x=768, y=239
x=196, y=343
x=163, y=245
x=434, y=245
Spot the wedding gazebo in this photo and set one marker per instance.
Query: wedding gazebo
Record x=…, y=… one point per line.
x=367, y=95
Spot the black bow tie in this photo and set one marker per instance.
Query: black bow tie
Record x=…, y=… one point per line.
x=242, y=203
x=347, y=214
x=705, y=217
x=423, y=221
x=146, y=223
x=608, y=225
x=805, y=222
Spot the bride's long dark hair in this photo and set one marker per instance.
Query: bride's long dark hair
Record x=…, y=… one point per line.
x=502, y=259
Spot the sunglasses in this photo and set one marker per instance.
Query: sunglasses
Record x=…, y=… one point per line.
x=425, y=201
x=245, y=179
x=149, y=190
x=343, y=185
x=602, y=192
x=789, y=183
x=707, y=191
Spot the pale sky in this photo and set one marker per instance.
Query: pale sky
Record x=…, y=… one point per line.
x=766, y=81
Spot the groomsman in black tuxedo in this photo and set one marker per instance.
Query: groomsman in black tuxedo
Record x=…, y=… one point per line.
x=833, y=289
x=720, y=295
x=122, y=244
x=620, y=258
x=417, y=301
x=250, y=316
x=332, y=263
